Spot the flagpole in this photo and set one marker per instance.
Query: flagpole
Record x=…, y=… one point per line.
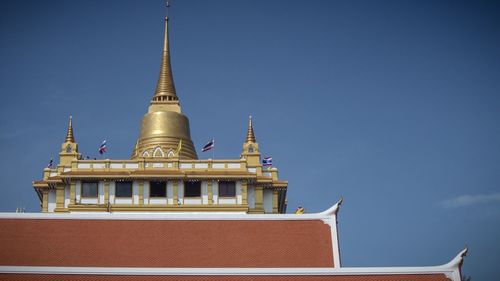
x=213, y=150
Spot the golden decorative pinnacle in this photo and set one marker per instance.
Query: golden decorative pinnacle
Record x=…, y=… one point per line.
x=165, y=89
x=164, y=125
x=250, y=134
x=69, y=134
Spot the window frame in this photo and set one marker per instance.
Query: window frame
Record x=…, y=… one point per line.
x=225, y=186
x=83, y=185
x=192, y=182
x=131, y=189
x=164, y=183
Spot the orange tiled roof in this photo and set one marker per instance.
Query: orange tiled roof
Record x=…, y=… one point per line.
x=165, y=243
x=187, y=247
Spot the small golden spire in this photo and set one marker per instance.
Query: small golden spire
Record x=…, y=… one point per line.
x=69, y=134
x=165, y=89
x=134, y=153
x=250, y=134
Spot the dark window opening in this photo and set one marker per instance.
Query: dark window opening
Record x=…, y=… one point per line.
x=157, y=189
x=123, y=189
x=192, y=189
x=227, y=189
x=89, y=189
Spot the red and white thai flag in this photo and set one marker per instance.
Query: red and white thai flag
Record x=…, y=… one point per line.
x=103, y=148
x=267, y=161
x=208, y=146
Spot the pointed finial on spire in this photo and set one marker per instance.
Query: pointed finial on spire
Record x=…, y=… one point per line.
x=165, y=88
x=250, y=134
x=69, y=134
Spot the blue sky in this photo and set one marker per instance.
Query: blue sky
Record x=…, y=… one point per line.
x=394, y=105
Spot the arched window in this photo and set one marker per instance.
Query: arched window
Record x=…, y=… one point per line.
x=250, y=148
x=68, y=148
x=158, y=152
x=170, y=153
x=145, y=154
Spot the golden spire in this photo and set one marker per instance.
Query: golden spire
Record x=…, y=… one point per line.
x=69, y=134
x=250, y=134
x=251, y=147
x=165, y=89
x=164, y=125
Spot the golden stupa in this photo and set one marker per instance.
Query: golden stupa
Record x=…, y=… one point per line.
x=164, y=126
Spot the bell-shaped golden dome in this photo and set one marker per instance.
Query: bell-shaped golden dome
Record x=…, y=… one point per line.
x=164, y=126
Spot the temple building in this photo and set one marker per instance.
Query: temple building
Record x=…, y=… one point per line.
x=164, y=214
x=164, y=173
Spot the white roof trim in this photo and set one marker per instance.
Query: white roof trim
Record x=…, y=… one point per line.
x=446, y=269
x=333, y=210
x=451, y=270
x=329, y=217
x=173, y=215
x=458, y=260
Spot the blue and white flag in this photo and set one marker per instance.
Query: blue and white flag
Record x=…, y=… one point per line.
x=208, y=146
x=51, y=162
x=103, y=148
x=267, y=161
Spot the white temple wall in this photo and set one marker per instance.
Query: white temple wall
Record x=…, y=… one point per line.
x=135, y=192
x=100, y=192
x=268, y=200
x=78, y=190
x=52, y=201
x=180, y=191
x=169, y=199
x=204, y=192
x=223, y=200
x=170, y=193
x=215, y=192
x=66, y=195
x=251, y=196
x=239, y=198
x=145, y=190
x=192, y=201
x=158, y=201
x=112, y=192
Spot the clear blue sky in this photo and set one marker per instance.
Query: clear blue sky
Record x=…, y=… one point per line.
x=394, y=105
